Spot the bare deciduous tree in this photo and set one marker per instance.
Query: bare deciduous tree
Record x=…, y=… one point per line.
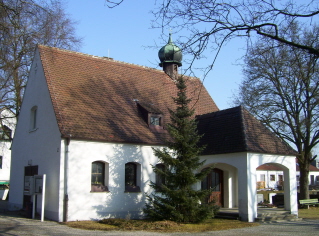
x=281, y=88
x=205, y=25
x=23, y=25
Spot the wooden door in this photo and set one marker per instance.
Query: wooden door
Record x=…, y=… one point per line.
x=214, y=182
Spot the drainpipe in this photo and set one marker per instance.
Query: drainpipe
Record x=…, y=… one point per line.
x=66, y=168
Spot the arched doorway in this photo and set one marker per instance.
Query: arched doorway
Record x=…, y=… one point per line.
x=214, y=182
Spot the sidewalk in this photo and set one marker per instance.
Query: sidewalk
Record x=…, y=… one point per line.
x=14, y=223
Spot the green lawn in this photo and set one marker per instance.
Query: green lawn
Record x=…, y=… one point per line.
x=311, y=213
x=169, y=226
x=159, y=226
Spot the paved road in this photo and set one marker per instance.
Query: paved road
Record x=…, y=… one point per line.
x=13, y=224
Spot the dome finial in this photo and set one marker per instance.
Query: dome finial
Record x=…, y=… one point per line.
x=170, y=41
x=171, y=58
x=170, y=53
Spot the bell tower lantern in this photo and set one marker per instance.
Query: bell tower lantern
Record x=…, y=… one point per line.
x=170, y=56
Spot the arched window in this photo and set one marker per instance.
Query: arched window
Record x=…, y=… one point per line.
x=98, y=180
x=131, y=177
x=33, y=118
x=160, y=179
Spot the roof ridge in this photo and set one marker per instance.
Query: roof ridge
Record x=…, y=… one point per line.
x=112, y=59
x=219, y=112
x=98, y=57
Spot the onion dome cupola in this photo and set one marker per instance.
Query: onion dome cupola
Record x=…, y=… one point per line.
x=170, y=56
x=170, y=53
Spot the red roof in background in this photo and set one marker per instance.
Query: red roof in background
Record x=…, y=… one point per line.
x=95, y=98
x=311, y=168
x=270, y=166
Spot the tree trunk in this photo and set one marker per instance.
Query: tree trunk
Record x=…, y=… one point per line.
x=304, y=181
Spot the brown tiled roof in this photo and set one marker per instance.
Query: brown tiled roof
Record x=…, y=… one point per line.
x=96, y=98
x=311, y=168
x=270, y=166
x=236, y=130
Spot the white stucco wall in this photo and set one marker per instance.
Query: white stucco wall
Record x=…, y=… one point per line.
x=289, y=165
x=40, y=146
x=86, y=205
x=240, y=177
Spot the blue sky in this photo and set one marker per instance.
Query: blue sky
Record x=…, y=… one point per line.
x=125, y=34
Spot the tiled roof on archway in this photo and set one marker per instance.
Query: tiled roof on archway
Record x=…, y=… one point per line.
x=236, y=130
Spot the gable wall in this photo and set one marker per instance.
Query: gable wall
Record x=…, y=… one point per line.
x=36, y=147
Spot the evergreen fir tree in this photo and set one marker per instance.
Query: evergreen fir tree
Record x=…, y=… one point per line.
x=175, y=199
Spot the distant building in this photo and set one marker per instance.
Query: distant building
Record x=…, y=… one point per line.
x=7, y=126
x=270, y=176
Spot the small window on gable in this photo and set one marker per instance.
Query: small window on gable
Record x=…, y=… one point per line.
x=33, y=118
x=99, y=177
x=132, y=177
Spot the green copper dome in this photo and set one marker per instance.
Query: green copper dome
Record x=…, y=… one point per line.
x=170, y=53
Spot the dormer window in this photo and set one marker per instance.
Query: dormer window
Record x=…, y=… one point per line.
x=155, y=120
x=152, y=116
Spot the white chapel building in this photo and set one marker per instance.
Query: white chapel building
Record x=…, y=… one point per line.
x=89, y=123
